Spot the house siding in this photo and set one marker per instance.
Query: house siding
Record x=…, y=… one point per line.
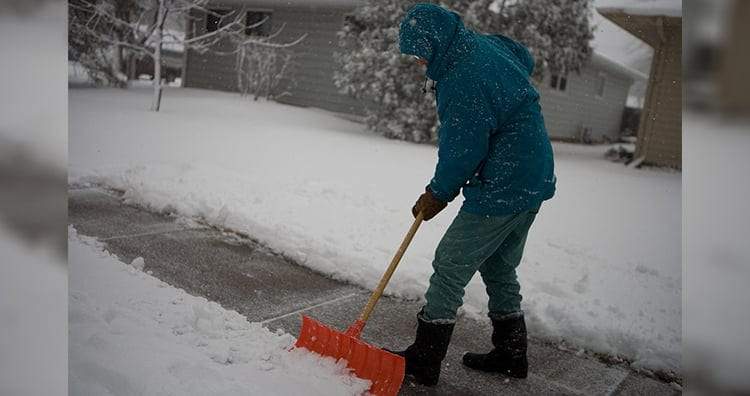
x=568, y=112
x=311, y=78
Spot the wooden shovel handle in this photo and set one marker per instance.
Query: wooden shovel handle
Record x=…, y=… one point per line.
x=391, y=269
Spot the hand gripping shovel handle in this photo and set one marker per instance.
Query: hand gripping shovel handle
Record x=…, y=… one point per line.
x=356, y=328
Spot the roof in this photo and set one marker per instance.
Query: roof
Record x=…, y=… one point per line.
x=669, y=8
x=599, y=58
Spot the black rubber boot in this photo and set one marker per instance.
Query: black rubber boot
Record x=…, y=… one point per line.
x=509, y=355
x=424, y=357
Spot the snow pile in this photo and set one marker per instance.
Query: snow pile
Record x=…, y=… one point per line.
x=716, y=251
x=602, y=268
x=670, y=8
x=78, y=75
x=132, y=334
x=138, y=263
x=33, y=341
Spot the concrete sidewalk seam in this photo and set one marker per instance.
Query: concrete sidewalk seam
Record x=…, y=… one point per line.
x=323, y=304
x=146, y=234
x=568, y=388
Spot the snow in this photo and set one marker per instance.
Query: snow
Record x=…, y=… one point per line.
x=633, y=73
x=138, y=263
x=173, y=40
x=131, y=333
x=602, y=266
x=33, y=313
x=716, y=250
x=78, y=75
x=670, y=8
x=33, y=111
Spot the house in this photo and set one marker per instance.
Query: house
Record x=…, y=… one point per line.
x=587, y=106
x=659, y=24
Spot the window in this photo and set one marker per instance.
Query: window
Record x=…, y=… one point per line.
x=214, y=19
x=558, y=82
x=601, y=82
x=258, y=23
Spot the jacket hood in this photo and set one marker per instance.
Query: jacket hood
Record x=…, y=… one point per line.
x=434, y=34
x=519, y=51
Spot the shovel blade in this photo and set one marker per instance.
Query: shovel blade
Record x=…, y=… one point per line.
x=384, y=369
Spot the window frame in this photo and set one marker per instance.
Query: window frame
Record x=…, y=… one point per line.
x=558, y=82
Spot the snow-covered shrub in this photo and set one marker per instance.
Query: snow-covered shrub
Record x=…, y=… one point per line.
x=262, y=71
x=371, y=69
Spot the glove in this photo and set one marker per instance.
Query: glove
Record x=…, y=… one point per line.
x=428, y=205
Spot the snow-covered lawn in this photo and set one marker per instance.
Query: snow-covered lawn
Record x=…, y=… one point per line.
x=132, y=334
x=602, y=267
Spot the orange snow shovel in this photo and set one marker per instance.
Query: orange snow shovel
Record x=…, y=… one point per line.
x=384, y=369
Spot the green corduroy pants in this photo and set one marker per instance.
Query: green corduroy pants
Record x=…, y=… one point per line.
x=492, y=245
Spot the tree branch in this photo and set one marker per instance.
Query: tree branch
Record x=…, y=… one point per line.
x=222, y=29
x=274, y=45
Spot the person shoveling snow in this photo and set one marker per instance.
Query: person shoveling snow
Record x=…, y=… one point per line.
x=494, y=147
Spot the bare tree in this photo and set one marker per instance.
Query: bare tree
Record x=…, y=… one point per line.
x=262, y=66
x=142, y=31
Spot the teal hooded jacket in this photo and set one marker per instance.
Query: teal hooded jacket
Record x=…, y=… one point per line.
x=492, y=142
